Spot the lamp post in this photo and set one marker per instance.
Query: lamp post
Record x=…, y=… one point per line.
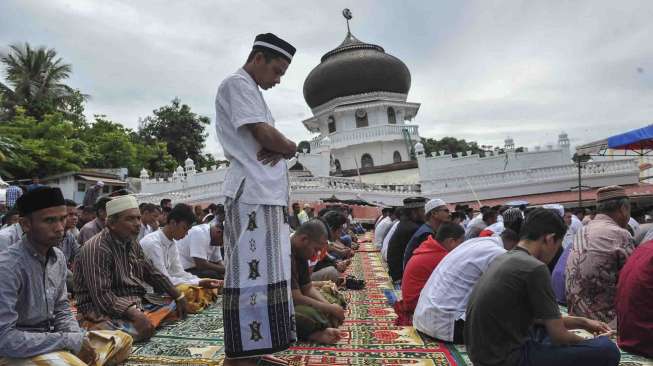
x=579, y=160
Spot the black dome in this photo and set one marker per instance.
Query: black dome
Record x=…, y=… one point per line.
x=353, y=68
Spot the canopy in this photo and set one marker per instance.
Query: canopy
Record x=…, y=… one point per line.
x=639, y=139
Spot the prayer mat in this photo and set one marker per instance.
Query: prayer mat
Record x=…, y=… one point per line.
x=369, y=336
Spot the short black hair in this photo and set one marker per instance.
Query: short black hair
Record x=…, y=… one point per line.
x=313, y=228
x=334, y=219
x=449, y=230
x=489, y=213
x=166, y=209
x=148, y=207
x=181, y=212
x=268, y=54
x=88, y=209
x=165, y=201
x=540, y=222
x=509, y=234
x=101, y=204
x=70, y=203
x=10, y=213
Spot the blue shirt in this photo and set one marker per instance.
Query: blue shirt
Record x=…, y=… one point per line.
x=35, y=316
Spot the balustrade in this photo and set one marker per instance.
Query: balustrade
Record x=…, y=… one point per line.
x=362, y=135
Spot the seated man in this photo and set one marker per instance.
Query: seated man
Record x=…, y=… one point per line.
x=635, y=302
x=159, y=247
x=422, y=262
x=149, y=219
x=111, y=272
x=316, y=318
x=597, y=254
x=436, y=213
x=199, y=252
x=36, y=324
x=512, y=316
x=96, y=225
x=69, y=245
x=440, y=310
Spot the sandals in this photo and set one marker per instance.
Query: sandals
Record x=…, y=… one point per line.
x=353, y=283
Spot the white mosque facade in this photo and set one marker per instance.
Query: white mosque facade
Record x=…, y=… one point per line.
x=366, y=147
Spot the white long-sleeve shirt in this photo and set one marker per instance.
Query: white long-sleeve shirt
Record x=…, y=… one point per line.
x=163, y=254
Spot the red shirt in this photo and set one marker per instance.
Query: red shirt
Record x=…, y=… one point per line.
x=418, y=270
x=634, y=302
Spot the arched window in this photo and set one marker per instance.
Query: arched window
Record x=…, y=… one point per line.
x=331, y=124
x=366, y=161
x=338, y=167
x=396, y=157
x=361, y=118
x=392, y=117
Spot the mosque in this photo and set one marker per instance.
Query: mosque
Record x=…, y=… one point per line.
x=368, y=149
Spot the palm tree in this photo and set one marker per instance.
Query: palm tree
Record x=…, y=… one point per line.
x=7, y=151
x=35, y=81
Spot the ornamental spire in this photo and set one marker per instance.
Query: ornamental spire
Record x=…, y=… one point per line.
x=347, y=14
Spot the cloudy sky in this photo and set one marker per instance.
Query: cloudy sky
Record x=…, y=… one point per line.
x=482, y=70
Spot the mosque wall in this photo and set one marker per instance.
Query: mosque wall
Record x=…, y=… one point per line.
x=381, y=153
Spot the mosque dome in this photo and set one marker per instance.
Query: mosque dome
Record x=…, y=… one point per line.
x=353, y=68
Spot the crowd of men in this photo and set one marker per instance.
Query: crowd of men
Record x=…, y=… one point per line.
x=496, y=280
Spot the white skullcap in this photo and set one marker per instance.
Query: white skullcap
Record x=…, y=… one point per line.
x=120, y=204
x=100, y=183
x=433, y=203
x=555, y=207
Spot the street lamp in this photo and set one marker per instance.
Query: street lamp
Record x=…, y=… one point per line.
x=579, y=160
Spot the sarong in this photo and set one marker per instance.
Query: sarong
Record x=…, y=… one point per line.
x=156, y=314
x=112, y=348
x=258, y=309
x=198, y=298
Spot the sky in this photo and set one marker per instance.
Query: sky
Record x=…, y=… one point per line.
x=482, y=70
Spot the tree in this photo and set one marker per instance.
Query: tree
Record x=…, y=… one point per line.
x=46, y=147
x=8, y=150
x=182, y=130
x=450, y=145
x=35, y=82
x=303, y=145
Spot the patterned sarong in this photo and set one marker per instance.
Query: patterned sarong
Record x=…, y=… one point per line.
x=156, y=314
x=258, y=310
x=112, y=348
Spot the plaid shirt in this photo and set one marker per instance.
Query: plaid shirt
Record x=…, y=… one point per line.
x=13, y=194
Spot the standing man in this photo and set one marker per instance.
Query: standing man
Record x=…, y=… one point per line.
x=258, y=309
x=92, y=193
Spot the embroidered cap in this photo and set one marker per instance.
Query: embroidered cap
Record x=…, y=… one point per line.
x=433, y=204
x=120, y=204
x=271, y=42
x=414, y=202
x=39, y=198
x=610, y=193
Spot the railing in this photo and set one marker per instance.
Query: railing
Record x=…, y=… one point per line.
x=362, y=135
x=531, y=176
x=344, y=184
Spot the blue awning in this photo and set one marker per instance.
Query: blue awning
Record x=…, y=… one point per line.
x=639, y=139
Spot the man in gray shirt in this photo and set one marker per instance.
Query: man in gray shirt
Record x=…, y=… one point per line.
x=35, y=317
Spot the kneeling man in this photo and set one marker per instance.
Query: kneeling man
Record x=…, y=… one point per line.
x=316, y=317
x=111, y=272
x=36, y=324
x=160, y=249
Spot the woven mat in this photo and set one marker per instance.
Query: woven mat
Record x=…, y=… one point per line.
x=368, y=335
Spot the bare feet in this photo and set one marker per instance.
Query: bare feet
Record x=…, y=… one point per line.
x=327, y=336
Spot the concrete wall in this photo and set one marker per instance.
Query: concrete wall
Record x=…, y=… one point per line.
x=382, y=153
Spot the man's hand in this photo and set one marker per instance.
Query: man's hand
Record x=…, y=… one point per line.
x=210, y=283
x=596, y=327
x=337, y=312
x=141, y=323
x=87, y=353
x=182, y=308
x=267, y=157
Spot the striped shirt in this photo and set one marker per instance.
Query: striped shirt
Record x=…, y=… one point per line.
x=13, y=193
x=112, y=275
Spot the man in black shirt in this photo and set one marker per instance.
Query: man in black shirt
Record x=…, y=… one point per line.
x=512, y=316
x=316, y=317
x=411, y=219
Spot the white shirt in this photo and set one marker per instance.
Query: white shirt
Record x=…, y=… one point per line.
x=381, y=230
x=197, y=244
x=634, y=225
x=386, y=240
x=576, y=224
x=444, y=298
x=10, y=235
x=239, y=102
x=145, y=229
x=163, y=254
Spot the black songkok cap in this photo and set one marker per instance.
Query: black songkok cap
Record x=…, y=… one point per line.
x=414, y=202
x=38, y=199
x=273, y=43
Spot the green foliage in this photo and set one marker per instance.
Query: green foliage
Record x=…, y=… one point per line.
x=449, y=145
x=303, y=145
x=35, y=83
x=182, y=130
x=46, y=147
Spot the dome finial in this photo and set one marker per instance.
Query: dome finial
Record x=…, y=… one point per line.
x=347, y=14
